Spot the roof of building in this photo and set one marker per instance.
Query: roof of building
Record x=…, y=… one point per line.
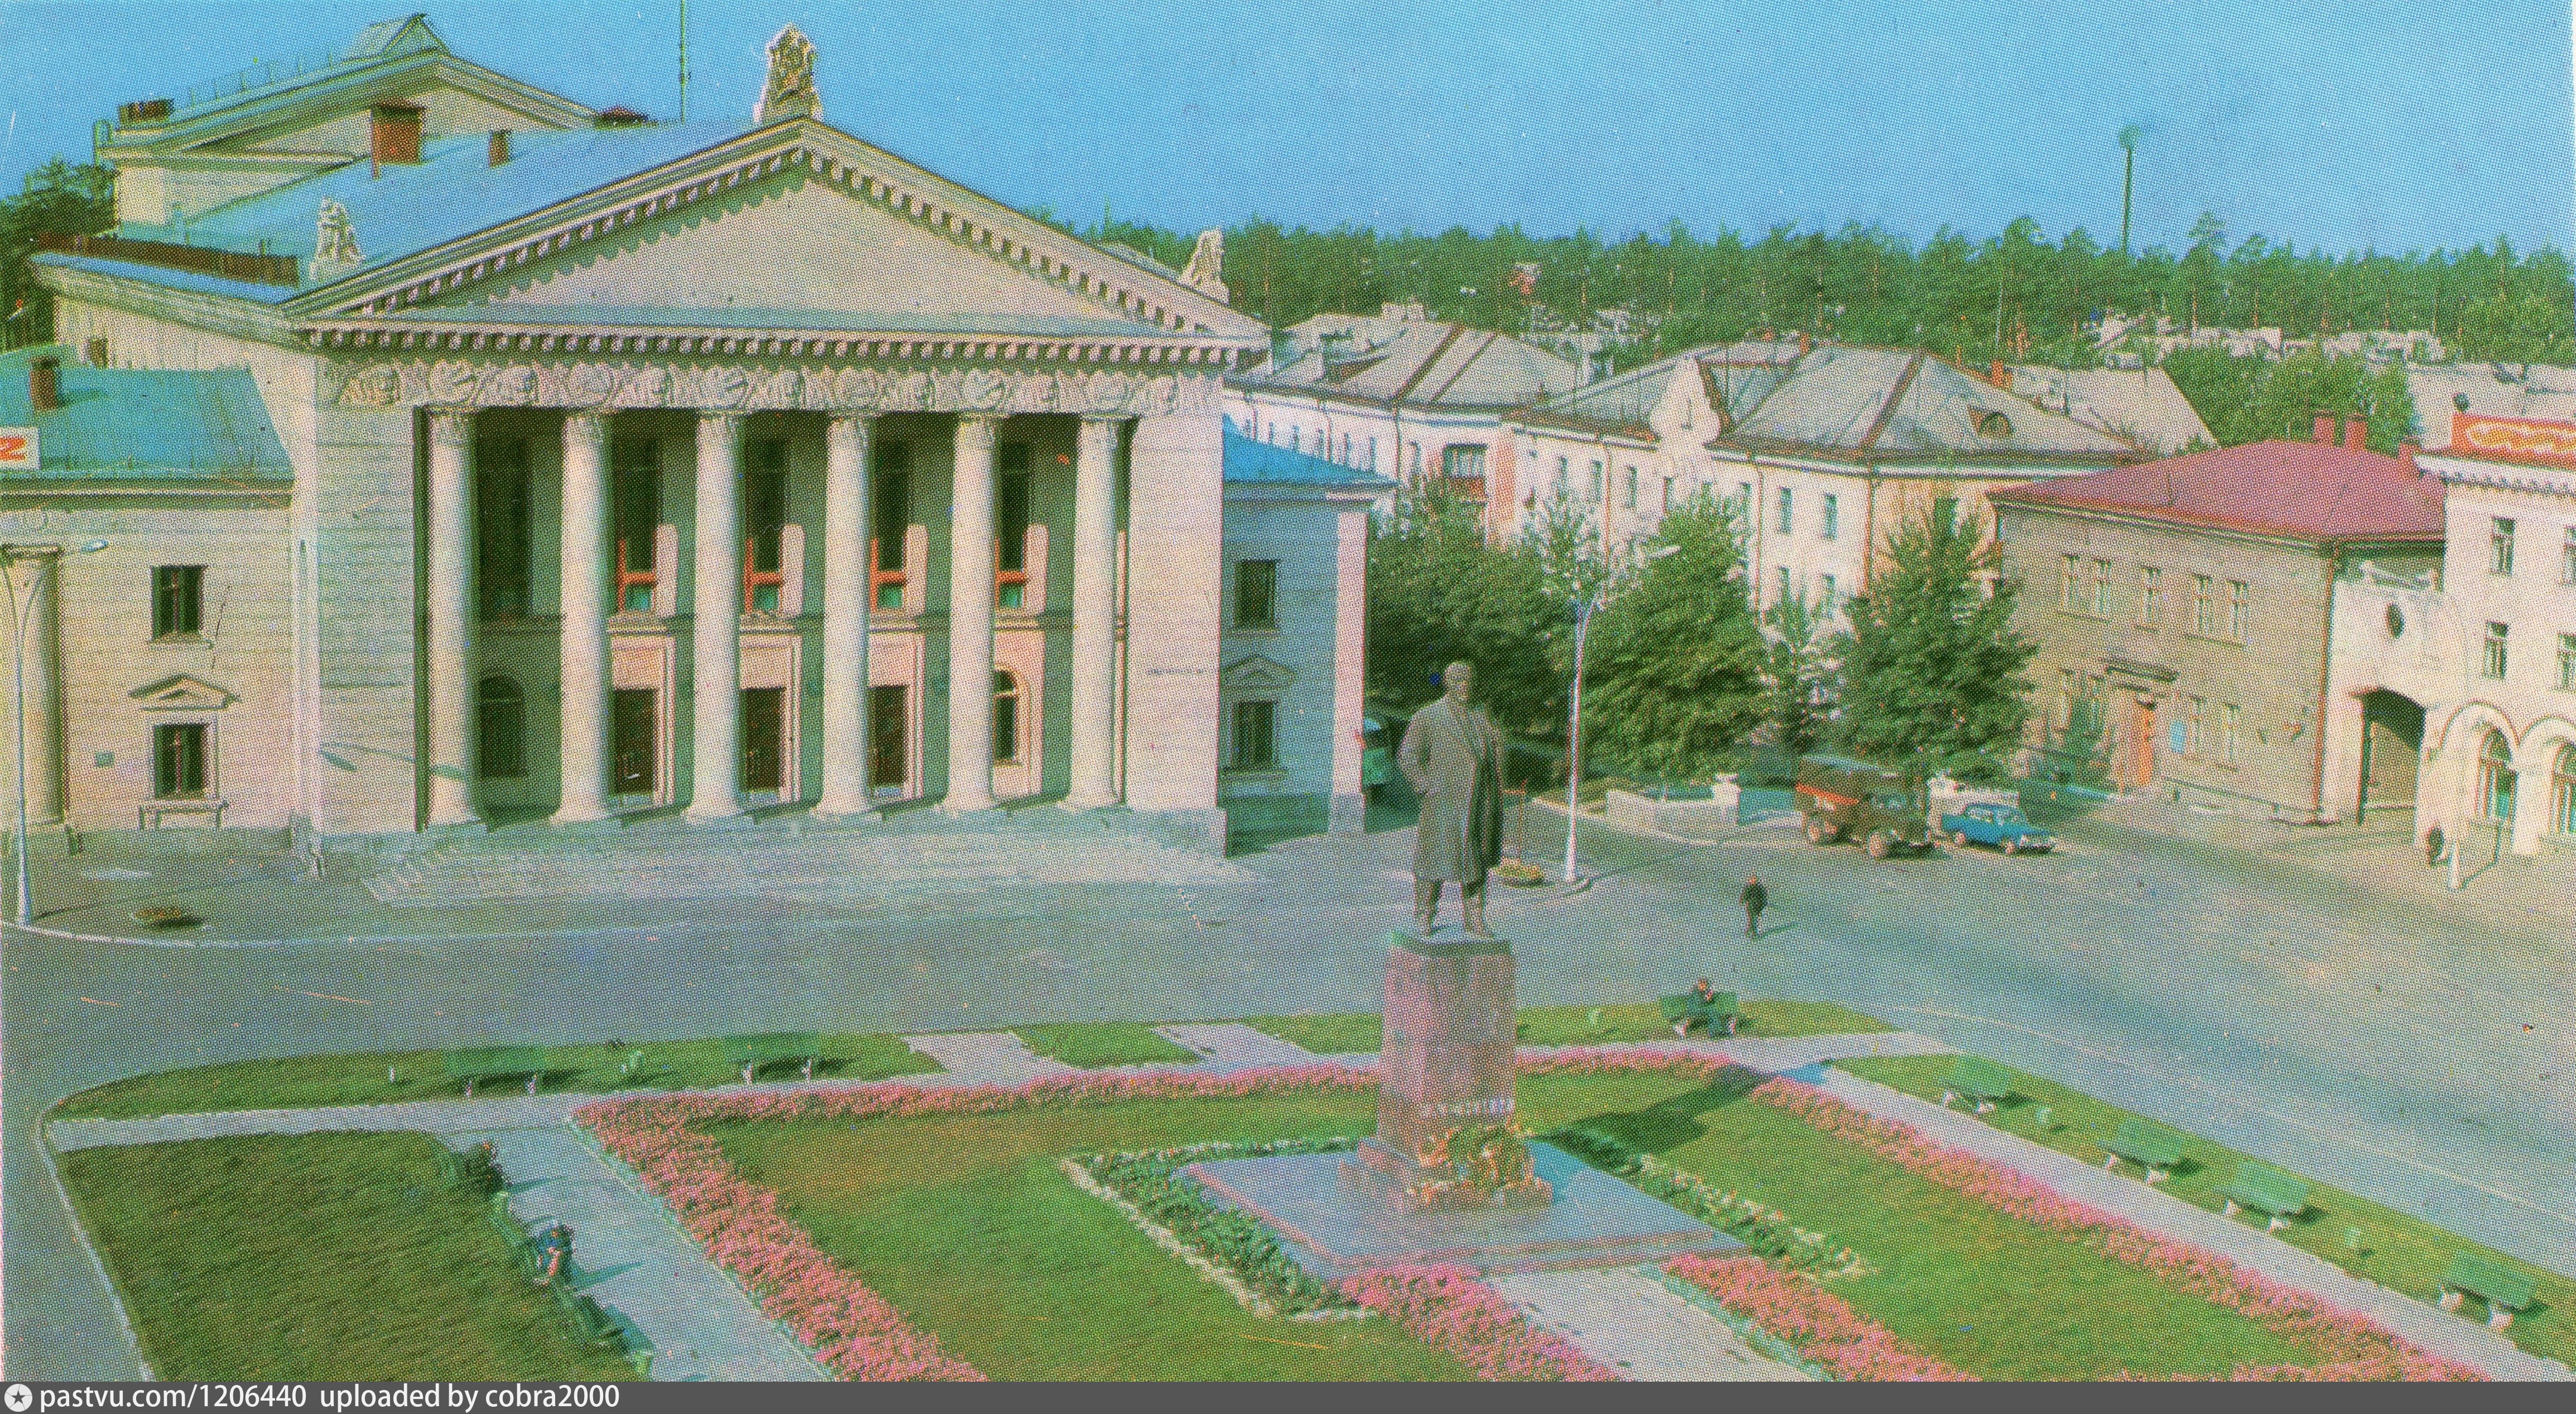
x=1418, y=362
x=2537, y=390
x=1248, y=461
x=2141, y=404
x=1857, y=401
x=2301, y=490
x=1738, y=376
x=124, y=424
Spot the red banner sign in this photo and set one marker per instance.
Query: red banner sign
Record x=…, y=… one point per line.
x=2514, y=439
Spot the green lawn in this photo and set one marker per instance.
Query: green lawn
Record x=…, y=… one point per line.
x=1341, y=1033
x=316, y=1257
x=2403, y=1253
x=964, y=1223
x=304, y=1082
x=968, y=1227
x=1091, y=1044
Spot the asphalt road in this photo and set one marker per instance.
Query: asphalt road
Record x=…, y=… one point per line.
x=2382, y=1047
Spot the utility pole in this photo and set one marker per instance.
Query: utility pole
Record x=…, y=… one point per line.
x=684, y=60
x=2128, y=168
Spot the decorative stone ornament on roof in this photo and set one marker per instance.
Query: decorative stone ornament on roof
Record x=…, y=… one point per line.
x=1206, y=272
x=335, y=241
x=789, y=93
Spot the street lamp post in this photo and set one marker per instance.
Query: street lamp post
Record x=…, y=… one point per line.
x=1583, y=612
x=26, y=914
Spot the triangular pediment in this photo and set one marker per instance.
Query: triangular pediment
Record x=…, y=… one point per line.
x=793, y=226
x=1256, y=674
x=182, y=693
x=789, y=252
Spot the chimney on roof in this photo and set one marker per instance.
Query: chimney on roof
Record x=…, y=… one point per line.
x=2356, y=433
x=498, y=150
x=45, y=384
x=2406, y=453
x=396, y=134
x=1999, y=373
x=2324, y=433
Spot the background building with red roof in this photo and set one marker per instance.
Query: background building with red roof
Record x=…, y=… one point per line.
x=2187, y=613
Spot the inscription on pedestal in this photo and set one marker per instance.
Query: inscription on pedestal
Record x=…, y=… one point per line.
x=1447, y=1059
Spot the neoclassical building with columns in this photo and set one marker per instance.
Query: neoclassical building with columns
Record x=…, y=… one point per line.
x=626, y=467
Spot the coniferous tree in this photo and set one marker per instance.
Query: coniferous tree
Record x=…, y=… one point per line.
x=1674, y=682
x=1932, y=669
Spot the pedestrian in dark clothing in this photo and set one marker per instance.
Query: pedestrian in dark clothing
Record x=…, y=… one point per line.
x=558, y=1256
x=1756, y=898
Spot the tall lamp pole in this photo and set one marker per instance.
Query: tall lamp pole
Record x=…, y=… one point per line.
x=26, y=914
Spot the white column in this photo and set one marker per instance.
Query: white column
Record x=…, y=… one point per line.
x=35, y=568
x=846, y=591
x=1349, y=807
x=451, y=610
x=1094, y=706
x=716, y=640
x=971, y=566
x=585, y=619
x=1175, y=574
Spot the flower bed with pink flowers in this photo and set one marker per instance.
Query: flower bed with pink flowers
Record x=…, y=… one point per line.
x=1447, y=1307
x=1819, y=1325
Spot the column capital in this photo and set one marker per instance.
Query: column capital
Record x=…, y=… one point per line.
x=589, y=422
x=979, y=428
x=450, y=425
x=724, y=418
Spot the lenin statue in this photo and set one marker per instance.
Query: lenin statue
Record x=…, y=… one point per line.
x=1453, y=756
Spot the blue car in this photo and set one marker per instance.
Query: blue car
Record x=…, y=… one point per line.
x=2003, y=826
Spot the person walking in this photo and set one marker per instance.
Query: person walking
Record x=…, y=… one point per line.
x=1755, y=899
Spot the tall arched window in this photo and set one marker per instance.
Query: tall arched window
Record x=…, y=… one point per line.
x=2562, y=792
x=500, y=728
x=2495, y=779
x=1006, y=719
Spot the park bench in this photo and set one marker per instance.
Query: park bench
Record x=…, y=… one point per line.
x=1979, y=1081
x=1716, y=1016
x=497, y=1063
x=2265, y=1189
x=2152, y=1147
x=591, y=1322
x=471, y=1168
x=752, y=1053
x=2505, y=1290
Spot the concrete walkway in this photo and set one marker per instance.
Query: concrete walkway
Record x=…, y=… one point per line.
x=986, y=1058
x=1231, y=1045
x=631, y=1257
x=2154, y=1211
x=1628, y=1321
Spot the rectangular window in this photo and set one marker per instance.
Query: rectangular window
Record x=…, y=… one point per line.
x=504, y=516
x=1011, y=505
x=2500, y=545
x=1256, y=746
x=764, y=524
x=1788, y=518
x=1561, y=483
x=178, y=593
x=2567, y=558
x=890, y=505
x=2494, y=665
x=635, y=509
x=1668, y=496
x=1628, y=489
x=179, y=761
x=1593, y=495
x=1832, y=514
x=2101, y=589
x=2240, y=612
x=1783, y=596
x=2195, y=729
x=2070, y=583
x=2567, y=662
x=1256, y=594
x=1744, y=499
x=1945, y=512
x=1463, y=468
x=2065, y=713
x=2230, y=719
x=2151, y=597
x=1825, y=596
x=2204, y=606
x=1372, y=461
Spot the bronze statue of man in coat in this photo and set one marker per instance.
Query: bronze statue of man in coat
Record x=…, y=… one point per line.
x=1453, y=756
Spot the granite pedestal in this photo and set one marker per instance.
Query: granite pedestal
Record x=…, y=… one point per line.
x=1448, y=1063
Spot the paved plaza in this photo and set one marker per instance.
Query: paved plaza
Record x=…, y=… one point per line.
x=2411, y=1052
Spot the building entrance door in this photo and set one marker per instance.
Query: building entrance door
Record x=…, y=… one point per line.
x=889, y=736
x=2142, y=745
x=764, y=739
x=633, y=744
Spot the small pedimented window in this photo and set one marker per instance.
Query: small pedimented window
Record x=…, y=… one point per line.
x=182, y=693
x=1257, y=674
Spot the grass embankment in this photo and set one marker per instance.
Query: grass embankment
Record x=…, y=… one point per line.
x=306, y=1082
x=316, y=1257
x=964, y=1223
x=2403, y=1253
x=1343, y=1033
x=1091, y=1044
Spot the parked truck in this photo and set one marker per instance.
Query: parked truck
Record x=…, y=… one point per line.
x=1885, y=809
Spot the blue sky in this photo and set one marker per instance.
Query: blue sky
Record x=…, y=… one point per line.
x=2343, y=125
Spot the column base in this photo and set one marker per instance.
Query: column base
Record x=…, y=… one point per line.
x=1100, y=801
x=955, y=804
x=1349, y=815
x=585, y=820
x=835, y=816
x=470, y=825
x=720, y=820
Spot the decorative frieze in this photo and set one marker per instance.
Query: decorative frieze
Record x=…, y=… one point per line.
x=755, y=388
